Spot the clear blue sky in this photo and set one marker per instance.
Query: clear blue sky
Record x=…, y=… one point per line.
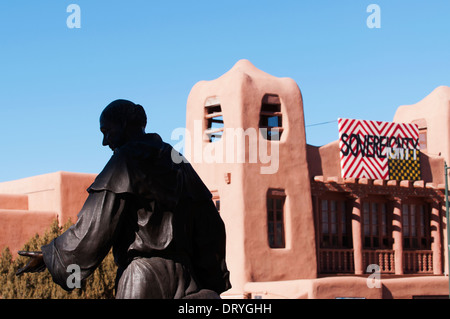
x=55, y=81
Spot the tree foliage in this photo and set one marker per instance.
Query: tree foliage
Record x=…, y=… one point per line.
x=100, y=285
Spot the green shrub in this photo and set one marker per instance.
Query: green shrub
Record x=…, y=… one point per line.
x=100, y=285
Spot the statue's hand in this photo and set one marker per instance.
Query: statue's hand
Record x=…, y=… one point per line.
x=36, y=263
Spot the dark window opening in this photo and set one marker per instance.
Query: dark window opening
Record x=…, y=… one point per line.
x=271, y=119
x=376, y=225
x=216, y=199
x=275, y=218
x=335, y=221
x=416, y=226
x=214, y=119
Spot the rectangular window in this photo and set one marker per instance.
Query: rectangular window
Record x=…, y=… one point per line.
x=376, y=225
x=216, y=199
x=422, y=125
x=423, y=139
x=270, y=118
x=214, y=119
x=275, y=218
x=416, y=226
x=334, y=221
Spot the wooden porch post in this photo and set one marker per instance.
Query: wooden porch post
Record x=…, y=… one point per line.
x=436, y=245
x=356, y=235
x=397, y=235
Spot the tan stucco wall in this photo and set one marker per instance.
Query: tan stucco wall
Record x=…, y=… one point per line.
x=13, y=201
x=28, y=206
x=243, y=200
x=18, y=226
x=435, y=109
x=352, y=287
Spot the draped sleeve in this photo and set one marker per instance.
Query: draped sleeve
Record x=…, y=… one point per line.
x=87, y=242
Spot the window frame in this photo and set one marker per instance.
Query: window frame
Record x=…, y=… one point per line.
x=418, y=223
x=379, y=226
x=270, y=110
x=343, y=223
x=213, y=115
x=422, y=125
x=216, y=199
x=275, y=217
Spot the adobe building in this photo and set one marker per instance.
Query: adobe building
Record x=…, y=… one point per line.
x=295, y=227
x=236, y=100
x=432, y=115
x=28, y=206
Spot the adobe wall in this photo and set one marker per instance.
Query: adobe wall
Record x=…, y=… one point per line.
x=18, y=226
x=243, y=199
x=213, y=175
x=42, y=191
x=29, y=206
x=435, y=110
x=61, y=192
x=324, y=160
x=13, y=201
x=265, y=263
x=352, y=287
x=73, y=194
x=432, y=168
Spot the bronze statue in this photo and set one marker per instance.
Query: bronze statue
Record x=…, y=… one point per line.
x=167, y=237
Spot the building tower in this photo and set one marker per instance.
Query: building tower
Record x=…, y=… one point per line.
x=246, y=139
x=432, y=115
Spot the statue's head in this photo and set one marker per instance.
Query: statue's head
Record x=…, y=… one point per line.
x=122, y=121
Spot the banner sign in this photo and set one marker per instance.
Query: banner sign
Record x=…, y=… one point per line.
x=379, y=150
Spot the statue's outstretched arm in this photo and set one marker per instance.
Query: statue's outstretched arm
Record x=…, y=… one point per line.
x=35, y=264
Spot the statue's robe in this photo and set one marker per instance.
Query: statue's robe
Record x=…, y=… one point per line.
x=167, y=236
